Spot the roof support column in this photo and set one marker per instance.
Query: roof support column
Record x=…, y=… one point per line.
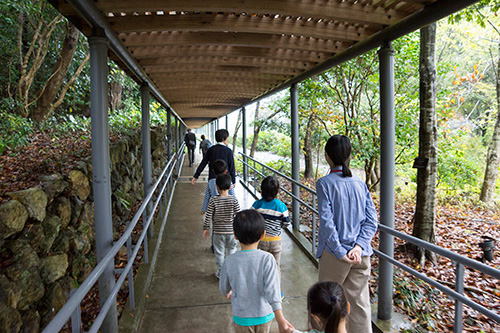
x=294, y=110
x=244, y=143
x=176, y=130
x=146, y=154
x=227, y=124
x=212, y=129
x=169, y=133
x=387, y=168
x=100, y=171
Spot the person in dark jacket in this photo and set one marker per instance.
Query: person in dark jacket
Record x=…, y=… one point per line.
x=190, y=140
x=219, y=151
x=204, y=145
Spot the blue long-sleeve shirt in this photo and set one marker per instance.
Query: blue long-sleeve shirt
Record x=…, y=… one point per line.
x=347, y=215
x=211, y=191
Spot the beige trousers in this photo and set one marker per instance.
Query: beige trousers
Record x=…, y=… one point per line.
x=264, y=328
x=354, y=279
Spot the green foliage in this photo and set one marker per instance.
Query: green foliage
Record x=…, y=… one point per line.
x=461, y=162
x=284, y=166
x=14, y=131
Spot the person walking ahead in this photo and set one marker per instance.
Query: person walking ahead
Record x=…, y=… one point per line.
x=204, y=145
x=220, y=151
x=190, y=140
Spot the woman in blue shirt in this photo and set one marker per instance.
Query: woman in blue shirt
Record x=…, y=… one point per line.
x=348, y=222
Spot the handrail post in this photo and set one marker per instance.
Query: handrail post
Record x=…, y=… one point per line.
x=314, y=226
x=244, y=143
x=169, y=134
x=101, y=172
x=146, y=151
x=131, y=292
x=76, y=316
x=387, y=167
x=176, y=129
x=294, y=110
x=459, y=288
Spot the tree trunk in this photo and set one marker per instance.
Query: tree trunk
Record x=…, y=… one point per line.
x=308, y=148
x=492, y=159
x=424, y=217
x=53, y=84
x=256, y=130
x=236, y=129
x=115, y=92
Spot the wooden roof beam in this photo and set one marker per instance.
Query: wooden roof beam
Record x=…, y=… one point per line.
x=161, y=63
x=340, y=11
x=234, y=51
x=242, y=24
x=143, y=43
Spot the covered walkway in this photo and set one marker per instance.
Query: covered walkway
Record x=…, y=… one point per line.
x=184, y=294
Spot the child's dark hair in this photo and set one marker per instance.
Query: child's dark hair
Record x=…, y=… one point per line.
x=221, y=135
x=269, y=188
x=202, y=137
x=248, y=226
x=223, y=181
x=338, y=148
x=219, y=167
x=326, y=300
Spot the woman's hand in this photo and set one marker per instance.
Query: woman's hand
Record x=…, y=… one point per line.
x=355, y=254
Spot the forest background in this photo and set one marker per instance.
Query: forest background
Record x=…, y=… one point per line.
x=45, y=95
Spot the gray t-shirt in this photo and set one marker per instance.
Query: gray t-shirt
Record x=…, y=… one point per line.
x=253, y=277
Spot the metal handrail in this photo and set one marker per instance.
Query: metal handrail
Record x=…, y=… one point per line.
x=279, y=173
x=459, y=260
x=73, y=303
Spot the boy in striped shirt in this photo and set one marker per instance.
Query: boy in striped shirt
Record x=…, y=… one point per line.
x=275, y=213
x=220, y=213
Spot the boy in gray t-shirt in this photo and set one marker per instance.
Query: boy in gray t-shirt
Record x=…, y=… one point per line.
x=250, y=278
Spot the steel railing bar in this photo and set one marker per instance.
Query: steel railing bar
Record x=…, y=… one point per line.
x=445, y=253
x=281, y=174
x=448, y=291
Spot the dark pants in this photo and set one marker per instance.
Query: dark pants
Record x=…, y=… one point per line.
x=191, y=155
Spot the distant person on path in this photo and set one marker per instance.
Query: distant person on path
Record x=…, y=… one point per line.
x=250, y=278
x=275, y=213
x=347, y=224
x=204, y=145
x=190, y=140
x=327, y=308
x=220, y=214
x=219, y=151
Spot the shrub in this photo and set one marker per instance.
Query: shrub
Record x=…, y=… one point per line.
x=14, y=131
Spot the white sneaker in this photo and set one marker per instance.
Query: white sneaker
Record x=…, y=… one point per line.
x=217, y=274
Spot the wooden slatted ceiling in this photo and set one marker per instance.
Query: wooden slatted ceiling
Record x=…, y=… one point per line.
x=208, y=57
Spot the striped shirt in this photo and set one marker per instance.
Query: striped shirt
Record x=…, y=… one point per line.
x=275, y=213
x=211, y=191
x=220, y=213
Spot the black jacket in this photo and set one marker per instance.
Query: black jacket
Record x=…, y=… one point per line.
x=216, y=152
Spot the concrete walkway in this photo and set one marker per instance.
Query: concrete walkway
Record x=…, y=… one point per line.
x=184, y=294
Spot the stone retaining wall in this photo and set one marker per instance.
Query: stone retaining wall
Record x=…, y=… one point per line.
x=47, y=244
